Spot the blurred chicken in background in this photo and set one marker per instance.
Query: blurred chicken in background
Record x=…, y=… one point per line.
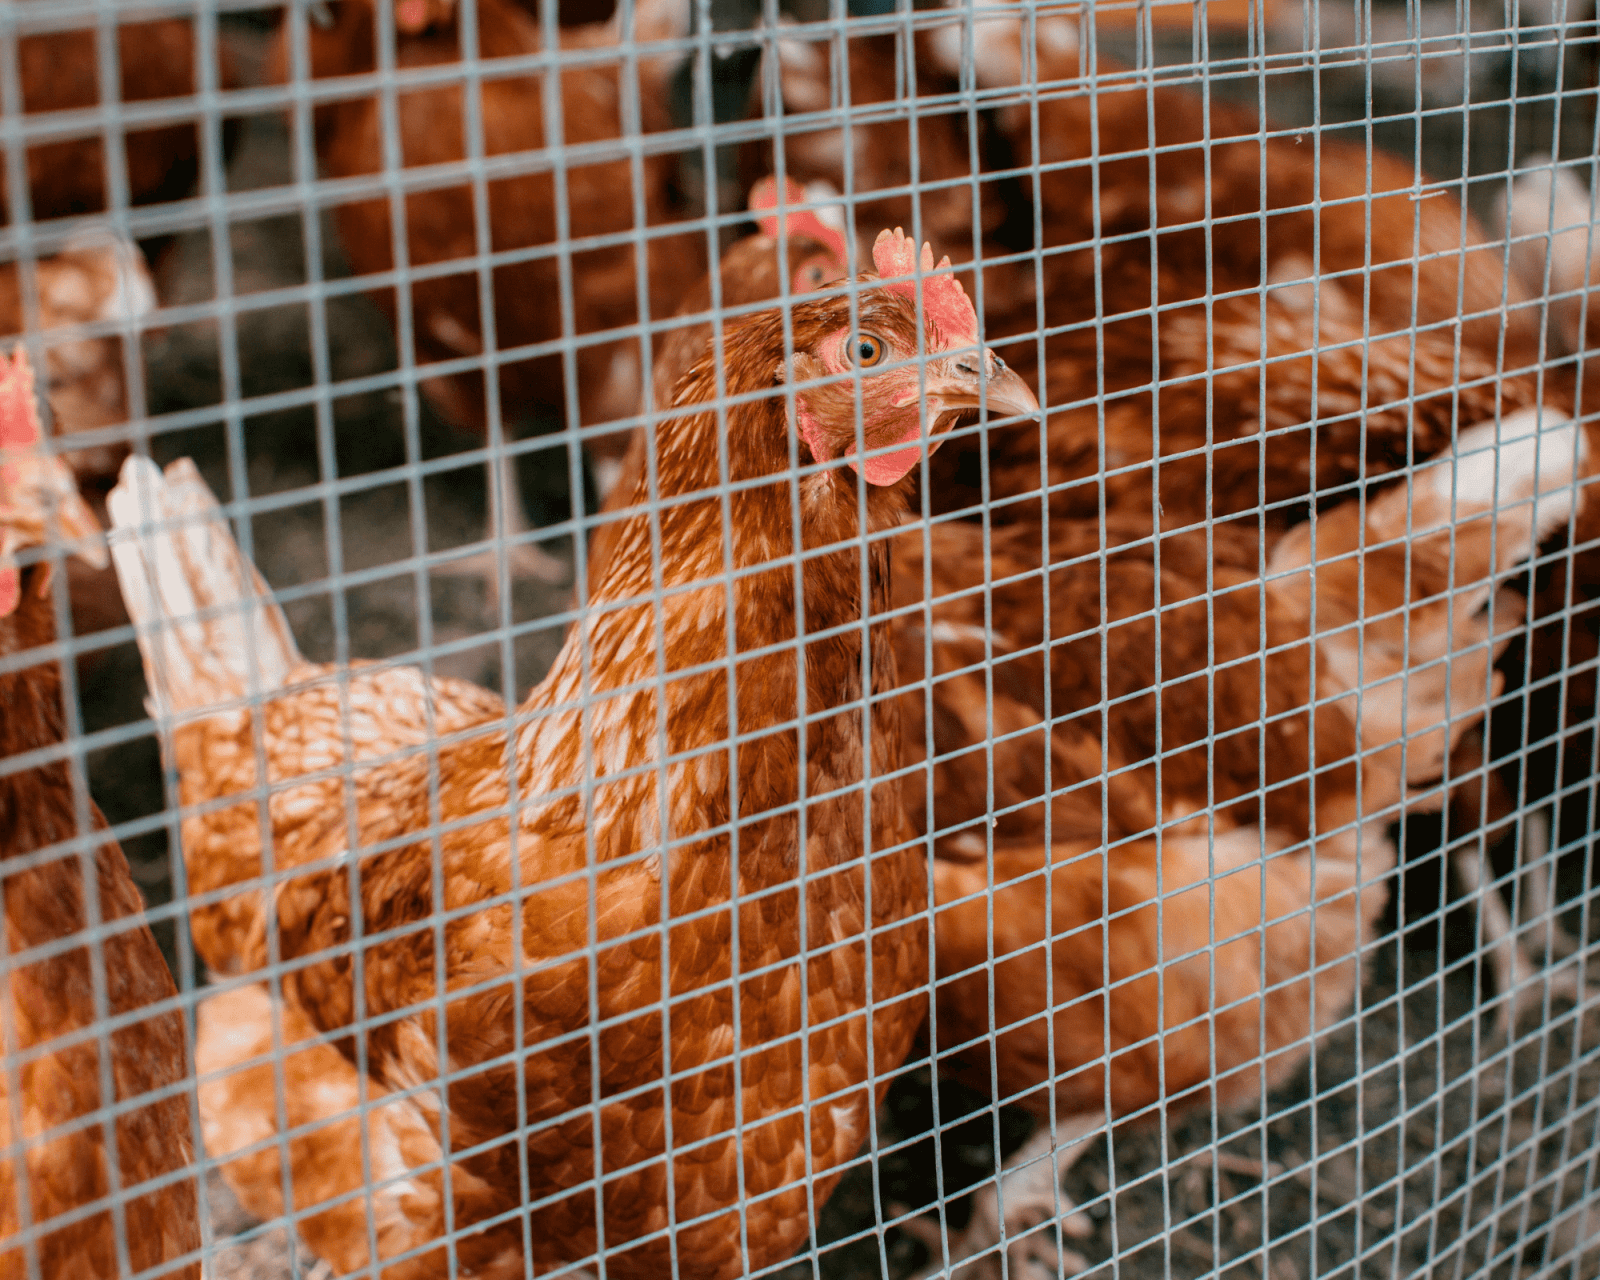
x=98, y=280
x=1171, y=859
x=585, y=225
x=906, y=158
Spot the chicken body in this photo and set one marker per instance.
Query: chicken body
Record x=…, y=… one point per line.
x=527, y=211
x=621, y=884
x=1145, y=903
x=60, y=71
x=56, y=1062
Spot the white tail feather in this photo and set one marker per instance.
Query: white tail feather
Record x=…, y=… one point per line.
x=208, y=629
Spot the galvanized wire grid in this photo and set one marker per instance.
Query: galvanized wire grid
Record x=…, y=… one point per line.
x=1411, y=1140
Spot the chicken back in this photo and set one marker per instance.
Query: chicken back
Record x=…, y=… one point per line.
x=750, y=272
x=595, y=199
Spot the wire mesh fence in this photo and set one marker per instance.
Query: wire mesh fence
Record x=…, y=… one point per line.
x=638, y=749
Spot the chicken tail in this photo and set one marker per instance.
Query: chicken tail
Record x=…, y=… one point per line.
x=208, y=629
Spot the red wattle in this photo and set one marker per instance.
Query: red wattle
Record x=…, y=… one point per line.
x=886, y=468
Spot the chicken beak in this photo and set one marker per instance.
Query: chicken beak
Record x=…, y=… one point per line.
x=966, y=383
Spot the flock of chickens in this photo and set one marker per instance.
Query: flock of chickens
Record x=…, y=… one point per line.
x=1069, y=739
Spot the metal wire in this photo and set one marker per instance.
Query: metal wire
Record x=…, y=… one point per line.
x=1440, y=1119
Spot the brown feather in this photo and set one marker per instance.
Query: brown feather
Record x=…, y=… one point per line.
x=51, y=1003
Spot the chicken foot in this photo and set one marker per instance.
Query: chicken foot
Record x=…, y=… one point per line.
x=1029, y=1186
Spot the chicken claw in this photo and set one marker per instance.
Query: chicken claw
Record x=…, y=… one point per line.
x=1030, y=1186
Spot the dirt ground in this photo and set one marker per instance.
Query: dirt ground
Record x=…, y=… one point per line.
x=1409, y=1145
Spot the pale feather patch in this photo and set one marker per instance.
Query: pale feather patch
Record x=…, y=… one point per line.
x=170, y=577
x=1535, y=450
x=453, y=334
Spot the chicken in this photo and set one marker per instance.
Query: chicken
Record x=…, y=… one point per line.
x=909, y=155
x=1234, y=214
x=59, y=1058
x=624, y=872
x=582, y=219
x=1196, y=804
x=749, y=273
x=98, y=279
x=60, y=71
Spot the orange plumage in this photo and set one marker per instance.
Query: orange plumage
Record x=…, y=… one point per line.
x=1150, y=837
x=607, y=920
x=1188, y=838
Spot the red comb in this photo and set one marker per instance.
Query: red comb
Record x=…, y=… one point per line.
x=19, y=412
x=944, y=301
x=805, y=222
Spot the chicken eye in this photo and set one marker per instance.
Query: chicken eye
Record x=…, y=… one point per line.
x=869, y=351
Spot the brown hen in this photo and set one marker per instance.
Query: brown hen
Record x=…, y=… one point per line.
x=594, y=201
x=123, y=1192
x=1138, y=921
x=666, y=799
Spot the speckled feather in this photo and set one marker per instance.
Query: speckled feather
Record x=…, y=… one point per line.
x=589, y=867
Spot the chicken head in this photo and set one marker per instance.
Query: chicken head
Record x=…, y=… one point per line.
x=905, y=402
x=36, y=488
x=823, y=224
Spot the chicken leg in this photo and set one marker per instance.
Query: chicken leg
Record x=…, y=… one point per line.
x=1029, y=1189
x=1515, y=970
